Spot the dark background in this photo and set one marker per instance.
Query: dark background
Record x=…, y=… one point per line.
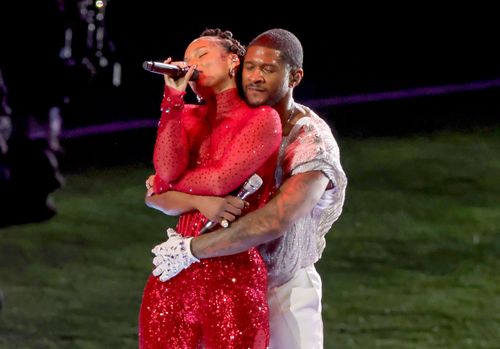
x=347, y=51
x=358, y=50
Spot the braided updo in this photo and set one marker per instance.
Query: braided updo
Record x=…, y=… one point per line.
x=227, y=40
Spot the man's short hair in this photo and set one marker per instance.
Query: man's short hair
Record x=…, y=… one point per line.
x=284, y=41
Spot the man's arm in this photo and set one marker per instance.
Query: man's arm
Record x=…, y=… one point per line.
x=296, y=197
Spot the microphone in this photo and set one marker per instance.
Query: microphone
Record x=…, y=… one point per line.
x=171, y=70
x=251, y=186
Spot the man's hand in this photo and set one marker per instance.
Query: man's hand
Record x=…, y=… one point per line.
x=172, y=256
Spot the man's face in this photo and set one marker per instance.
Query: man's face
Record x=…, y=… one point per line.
x=265, y=77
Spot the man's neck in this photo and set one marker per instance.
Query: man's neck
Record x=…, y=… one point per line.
x=287, y=112
x=285, y=107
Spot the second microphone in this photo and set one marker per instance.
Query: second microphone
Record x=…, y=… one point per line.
x=251, y=186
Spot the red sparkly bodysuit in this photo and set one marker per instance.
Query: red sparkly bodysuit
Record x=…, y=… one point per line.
x=219, y=303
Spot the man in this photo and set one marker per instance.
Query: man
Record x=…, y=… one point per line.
x=291, y=227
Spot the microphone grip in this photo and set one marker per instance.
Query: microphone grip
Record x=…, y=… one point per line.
x=209, y=225
x=243, y=194
x=171, y=70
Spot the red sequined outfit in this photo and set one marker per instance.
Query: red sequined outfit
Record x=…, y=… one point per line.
x=219, y=303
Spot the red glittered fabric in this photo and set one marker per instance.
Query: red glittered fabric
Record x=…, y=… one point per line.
x=211, y=150
x=221, y=143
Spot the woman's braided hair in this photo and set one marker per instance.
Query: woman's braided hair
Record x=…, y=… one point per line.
x=227, y=40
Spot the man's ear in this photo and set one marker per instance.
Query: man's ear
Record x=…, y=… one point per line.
x=295, y=77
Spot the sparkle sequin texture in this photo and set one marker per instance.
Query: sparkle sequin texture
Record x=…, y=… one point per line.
x=310, y=146
x=219, y=302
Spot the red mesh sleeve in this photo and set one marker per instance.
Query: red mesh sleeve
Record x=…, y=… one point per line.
x=172, y=147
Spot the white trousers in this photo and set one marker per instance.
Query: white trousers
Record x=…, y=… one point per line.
x=295, y=312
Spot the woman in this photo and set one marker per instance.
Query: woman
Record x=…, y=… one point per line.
x=211, y=149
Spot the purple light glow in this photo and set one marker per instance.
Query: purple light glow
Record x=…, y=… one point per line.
x=313, y=103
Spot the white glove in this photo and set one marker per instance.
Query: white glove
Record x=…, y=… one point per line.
x=172, y=256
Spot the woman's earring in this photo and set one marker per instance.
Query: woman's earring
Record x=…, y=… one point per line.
x=231, y=73
x=199, y=99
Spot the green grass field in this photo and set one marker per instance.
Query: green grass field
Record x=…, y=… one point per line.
x=413, y=261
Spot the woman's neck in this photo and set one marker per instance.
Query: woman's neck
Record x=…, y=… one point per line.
x=225, y=86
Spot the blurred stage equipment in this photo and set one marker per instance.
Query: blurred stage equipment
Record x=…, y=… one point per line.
x=98, y=51
x=69, y=41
